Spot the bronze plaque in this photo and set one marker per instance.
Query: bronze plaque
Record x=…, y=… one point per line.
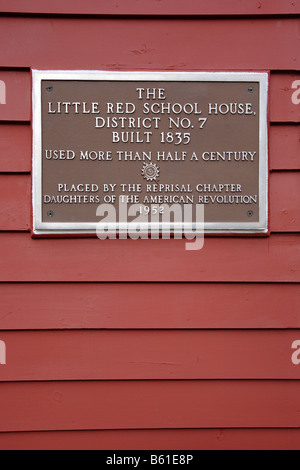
x=149, y=140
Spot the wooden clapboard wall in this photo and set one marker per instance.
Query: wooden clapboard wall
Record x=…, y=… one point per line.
x=141, y=344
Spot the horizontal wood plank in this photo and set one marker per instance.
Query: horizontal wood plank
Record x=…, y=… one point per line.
x=164, y=7
x=15, y=147
x=284, y=96
x=222, y=259
x=18, y=96
x=148, y=355
x=154, y=439
x=284, y=147
x=149, y=44
x=151, y=305
x=37, y=406
x=285, y=202
x=15, y=202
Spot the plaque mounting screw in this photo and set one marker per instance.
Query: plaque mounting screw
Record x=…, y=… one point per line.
x=251, y=89
x=250, y=213
x=50, y=213
x=49, y=88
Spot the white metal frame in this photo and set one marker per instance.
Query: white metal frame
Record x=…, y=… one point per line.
x=40, y=227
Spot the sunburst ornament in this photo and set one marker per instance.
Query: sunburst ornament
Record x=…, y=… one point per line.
x=150, y=171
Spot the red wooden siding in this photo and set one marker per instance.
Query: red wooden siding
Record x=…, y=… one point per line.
x=123, y=344
x=154, y=404
x=131, y=355
x=223, y=259
x=15, y=192
x=282, y=107
x=18, y=96
x=39, y=306
x=284, y=147
x=152, y=439
x=149, y=44
x=285, y=202
x=164, y=7
x=15, y=148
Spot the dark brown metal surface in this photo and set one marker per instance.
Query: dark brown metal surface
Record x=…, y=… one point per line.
x=130, y=137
